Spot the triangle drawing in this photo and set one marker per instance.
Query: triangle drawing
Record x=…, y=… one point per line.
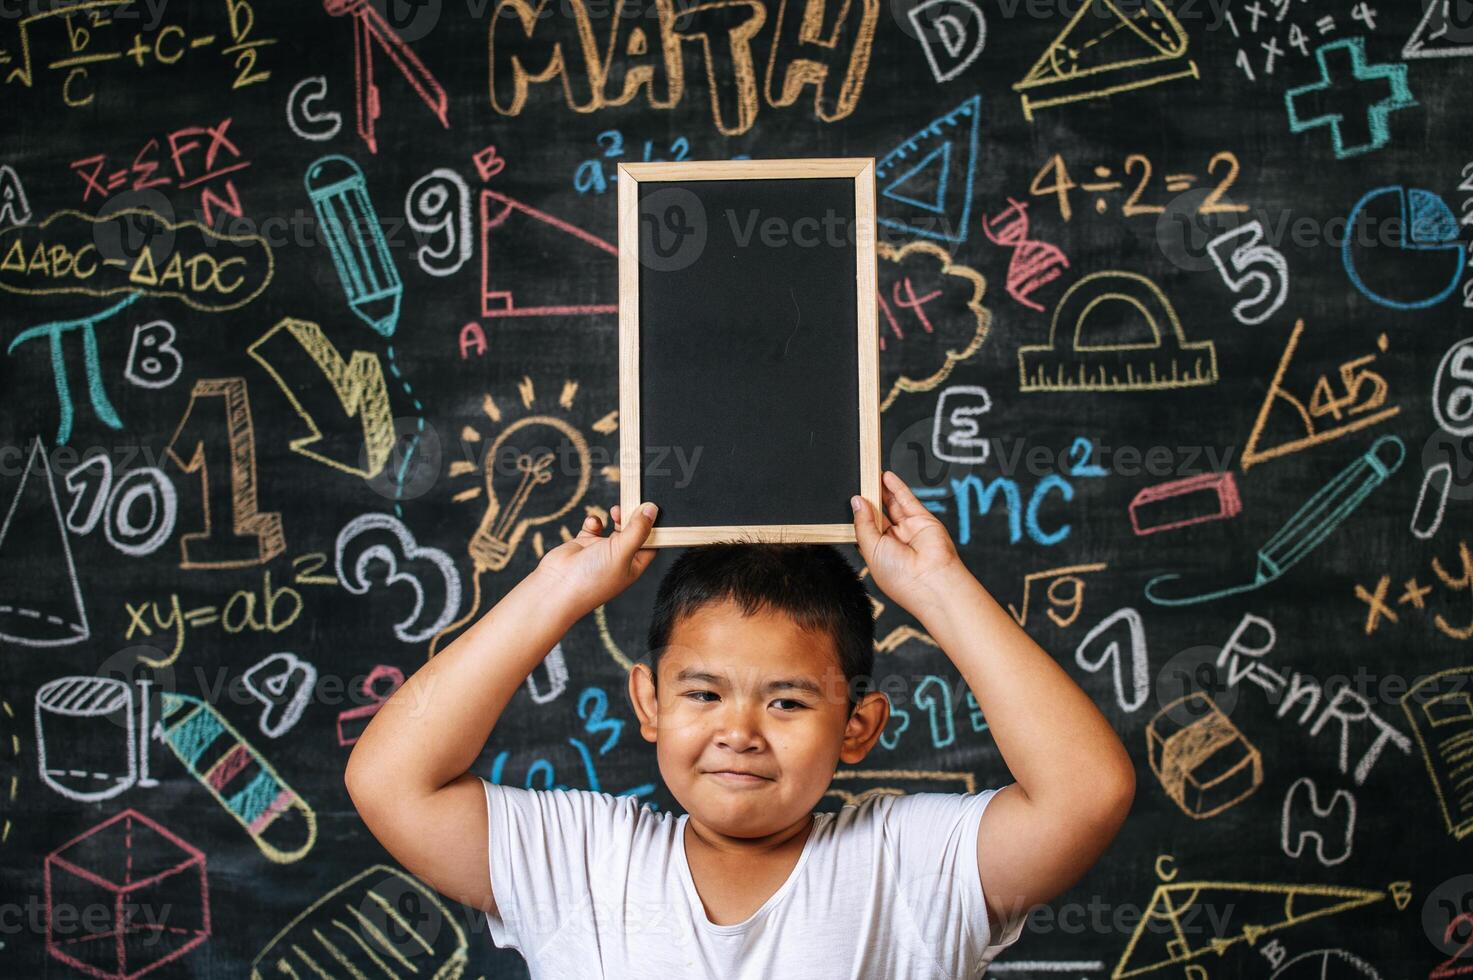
x=925, y=182
x=513, y=228
x=1163, y=938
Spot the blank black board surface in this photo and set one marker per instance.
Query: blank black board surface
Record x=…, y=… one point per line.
x=750, y=391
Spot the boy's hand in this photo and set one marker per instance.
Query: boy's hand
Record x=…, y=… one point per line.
x=592, y=568
x=912, y=558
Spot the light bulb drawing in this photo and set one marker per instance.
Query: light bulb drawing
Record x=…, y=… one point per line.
x=522, y=487
x=533, y=473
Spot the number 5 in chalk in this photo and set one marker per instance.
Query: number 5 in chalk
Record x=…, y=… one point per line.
x=238, y=777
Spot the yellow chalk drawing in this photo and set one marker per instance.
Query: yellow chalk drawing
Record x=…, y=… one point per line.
x=95, y=35
x=1056, y=577
x=1440, y=711
x=1103, y=51
x=379, y=923
x=357, y=385
x=252, y=536
x=272, y=610
x=64, y=257
x=822, y=26
x=533, y=42
x=526, y=485
x=846, y=785
x=515, y=498
x=9, y=784
x=1161, y=939
x=1364, y=390
x=1164, y=359
x=974, y=334
x=1206, y=765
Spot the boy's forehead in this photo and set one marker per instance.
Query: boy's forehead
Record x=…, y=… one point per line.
x=722, y=622
x=717, y=639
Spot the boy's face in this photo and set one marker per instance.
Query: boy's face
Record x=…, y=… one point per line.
x=755, y=694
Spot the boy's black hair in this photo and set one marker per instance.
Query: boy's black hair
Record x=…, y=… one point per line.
x=813, y=584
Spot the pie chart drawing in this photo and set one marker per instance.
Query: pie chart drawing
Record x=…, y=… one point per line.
x=1401, y=248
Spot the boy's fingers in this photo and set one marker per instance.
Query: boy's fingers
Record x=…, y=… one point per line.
x=894, y=511
x=590, y=529
x=614, y=516
x=632, y=535
x=905, y=502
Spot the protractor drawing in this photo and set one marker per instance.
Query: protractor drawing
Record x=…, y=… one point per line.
x=1115, y=331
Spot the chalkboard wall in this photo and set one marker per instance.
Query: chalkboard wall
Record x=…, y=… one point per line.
x=1173, y=312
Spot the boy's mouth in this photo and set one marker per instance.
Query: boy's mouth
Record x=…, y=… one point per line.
x=735, y=778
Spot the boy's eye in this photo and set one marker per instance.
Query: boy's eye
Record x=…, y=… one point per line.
x=793, y=705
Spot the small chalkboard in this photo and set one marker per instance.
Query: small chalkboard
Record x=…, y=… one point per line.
x=748, y=347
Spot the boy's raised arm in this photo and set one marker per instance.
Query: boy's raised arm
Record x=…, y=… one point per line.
x=408, y=774
x=1075, y=780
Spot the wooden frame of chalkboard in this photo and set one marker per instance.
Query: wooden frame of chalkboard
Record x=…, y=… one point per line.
x=783, y=491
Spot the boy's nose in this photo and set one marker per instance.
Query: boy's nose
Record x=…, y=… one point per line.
x=739, y=742
x=739, y=733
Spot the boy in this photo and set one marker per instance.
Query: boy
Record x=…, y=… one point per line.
x=751, y=709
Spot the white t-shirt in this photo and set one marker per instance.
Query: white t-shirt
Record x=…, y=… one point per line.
x=592, y=885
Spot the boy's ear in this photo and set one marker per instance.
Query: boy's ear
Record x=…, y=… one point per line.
x=865, y=726
x=644, y=700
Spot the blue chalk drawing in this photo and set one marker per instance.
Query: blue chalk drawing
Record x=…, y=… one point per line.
x=1428, y=226
x=1331, y=84
x=937, y=184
